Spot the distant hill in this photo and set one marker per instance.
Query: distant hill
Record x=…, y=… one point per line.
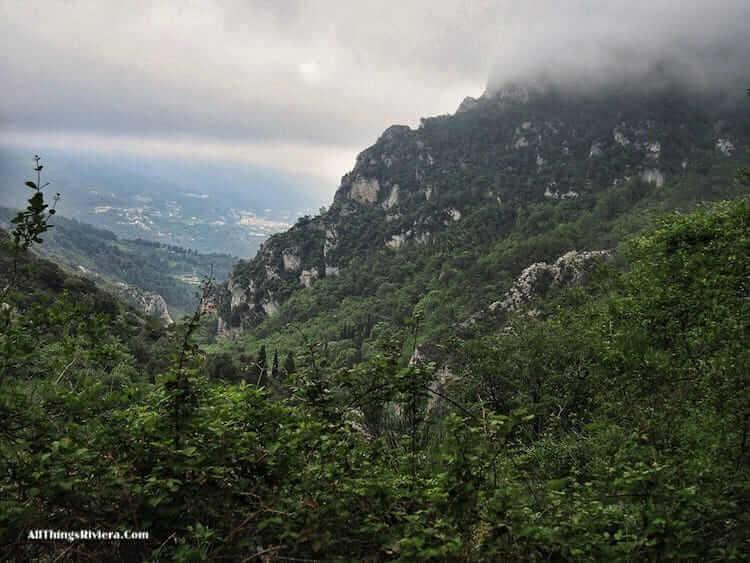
x=157, y=278
x=210, y=207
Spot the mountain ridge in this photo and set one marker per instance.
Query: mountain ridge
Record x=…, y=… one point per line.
x=496, y=156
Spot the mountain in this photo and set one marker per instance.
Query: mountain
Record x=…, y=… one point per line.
x=157, y=278
x=496, y=347
x=207, y=206
x=449, y=214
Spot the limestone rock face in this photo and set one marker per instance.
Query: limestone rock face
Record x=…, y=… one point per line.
x=148, y=302
x=270, y=307
x=392, y=199
x=653, y=176
x=154, y=305
x=291, y=260
x=653, y=150
x=306, y=277
x=365, y=190
x=569, y=269
x=454, y=214
x=238, y=294
x=396, y=241
x=725, y=146
x=620, y=137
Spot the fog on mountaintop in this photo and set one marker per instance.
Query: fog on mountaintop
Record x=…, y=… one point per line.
x=303, y=87
x=701, y=46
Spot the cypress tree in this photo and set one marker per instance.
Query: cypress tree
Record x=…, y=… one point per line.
x=289, y=367
x=275, y=367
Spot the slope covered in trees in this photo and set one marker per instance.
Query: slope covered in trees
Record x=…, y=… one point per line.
x=611, y=425
x=399, y=401
x=171, y=271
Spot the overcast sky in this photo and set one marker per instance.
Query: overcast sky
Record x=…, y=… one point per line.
x=303, y=86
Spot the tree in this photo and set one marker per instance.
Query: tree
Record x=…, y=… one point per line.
x=260, y=370
x=275, y=367
x=289, y=367
x=220, y=366
x=29, y=224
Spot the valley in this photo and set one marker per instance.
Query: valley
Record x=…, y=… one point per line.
x=517, y=332
x=166, y=202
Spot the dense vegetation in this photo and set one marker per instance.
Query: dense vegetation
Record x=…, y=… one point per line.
x=171, y=271
x=610, y=425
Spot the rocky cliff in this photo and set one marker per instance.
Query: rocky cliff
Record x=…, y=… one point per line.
x=147, y=302
x=505, y=151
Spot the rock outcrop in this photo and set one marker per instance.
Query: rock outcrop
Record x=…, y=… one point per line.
x=148, y=302
x=538, y=279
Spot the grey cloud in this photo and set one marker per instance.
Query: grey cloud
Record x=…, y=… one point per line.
x=329, y=73
x=590, y=44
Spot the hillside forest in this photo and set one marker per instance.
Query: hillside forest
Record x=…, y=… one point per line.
x=390, y=412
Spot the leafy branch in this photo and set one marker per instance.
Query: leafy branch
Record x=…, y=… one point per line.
x=30, y=223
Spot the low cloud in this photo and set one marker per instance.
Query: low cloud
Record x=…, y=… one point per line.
x=591, y=44
x=305, y=85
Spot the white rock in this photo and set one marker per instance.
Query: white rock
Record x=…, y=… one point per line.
x=306, y=277
x=291, y=260
x=620, y=137
x=653, y=150
x=238, y=295
x=423, y=238
x=653, y=176
x=330, y=241
x=396, y=241
x=568, y=269
x=392, y=198
x=453, y=213
x=365, y=190
x=725, y=146
x=270, y=307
